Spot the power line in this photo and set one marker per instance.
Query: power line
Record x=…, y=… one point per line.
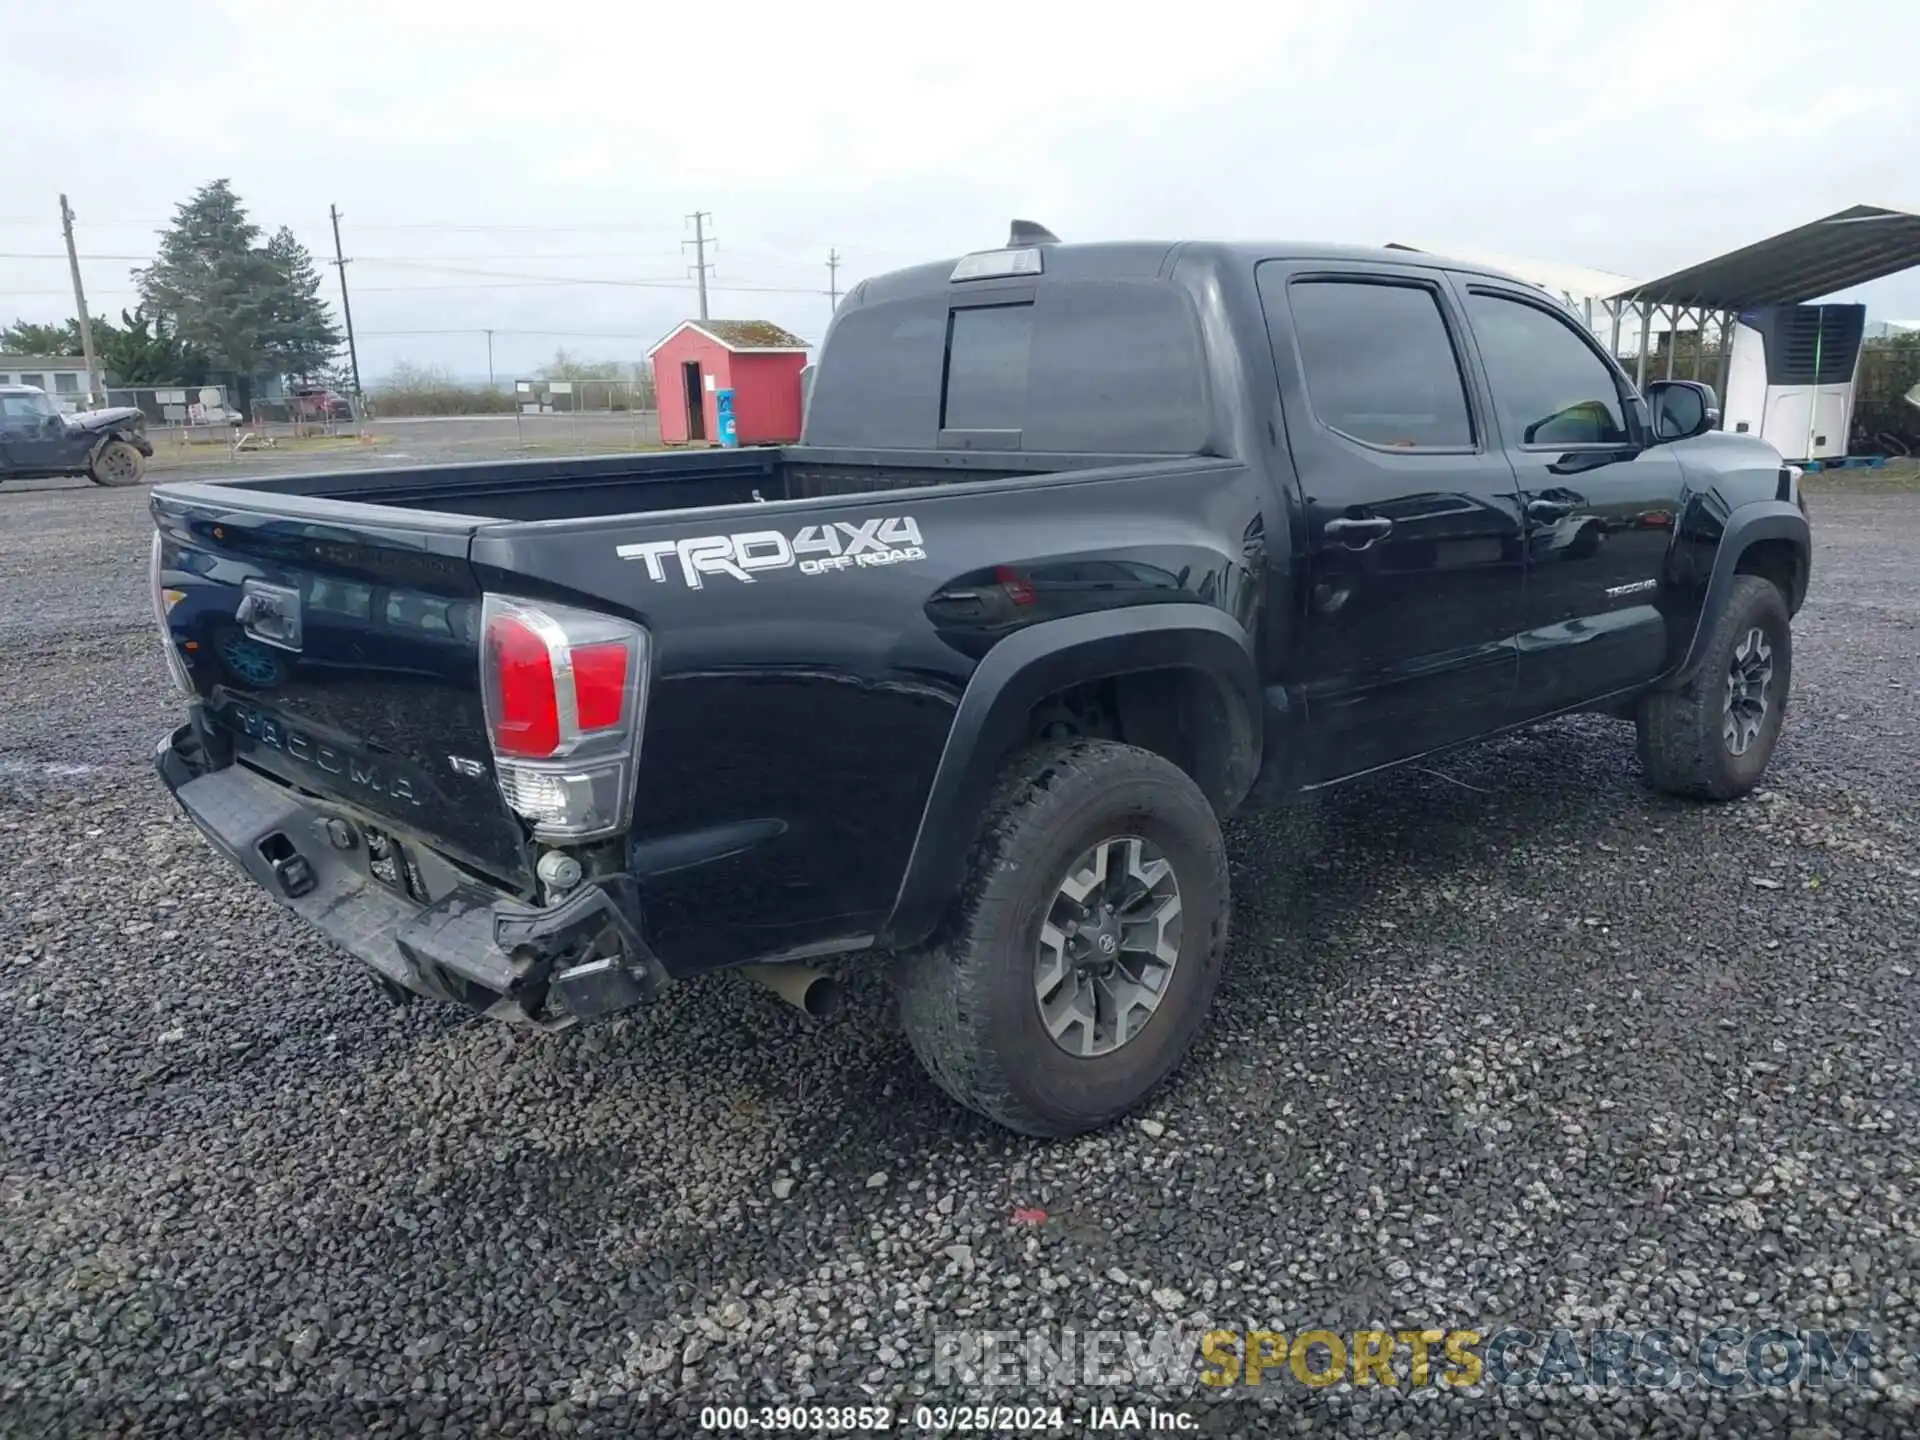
x=655, y=229
x=490, y=331
x=486, y=285
x=37, y=223
x=389, y=259
x=61, y=255
x=481, y=228
x=722, y=286
x=500, y=330
x=532, y=255
x=644, y=282
x=701, y=279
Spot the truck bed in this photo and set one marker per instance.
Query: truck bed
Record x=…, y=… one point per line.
x=592, y=486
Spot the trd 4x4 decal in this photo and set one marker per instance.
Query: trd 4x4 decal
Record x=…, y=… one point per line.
x=814, y=549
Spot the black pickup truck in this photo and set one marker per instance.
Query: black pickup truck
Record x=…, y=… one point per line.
x=1085, y=547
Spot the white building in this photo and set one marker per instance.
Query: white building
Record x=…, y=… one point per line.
x=62, y=376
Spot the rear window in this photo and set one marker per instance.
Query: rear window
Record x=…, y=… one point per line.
x=1379, y=364
x=989, y=350
x=1091, y=367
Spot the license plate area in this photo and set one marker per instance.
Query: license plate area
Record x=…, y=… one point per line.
x=271, y=614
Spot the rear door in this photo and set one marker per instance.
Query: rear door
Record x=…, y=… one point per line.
x=1414, y=555
x=338, y=646
x=1599, y=499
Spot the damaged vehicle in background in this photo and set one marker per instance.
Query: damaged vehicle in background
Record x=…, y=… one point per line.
x=109, y=447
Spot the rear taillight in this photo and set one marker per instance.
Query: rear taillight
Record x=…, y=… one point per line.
x=164, y=599
x=565, y=695
x=526, y=719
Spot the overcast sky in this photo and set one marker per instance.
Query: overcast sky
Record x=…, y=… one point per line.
x=571, y=140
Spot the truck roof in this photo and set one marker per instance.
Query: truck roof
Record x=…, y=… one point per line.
x=1140, y=259
x=1031, y=329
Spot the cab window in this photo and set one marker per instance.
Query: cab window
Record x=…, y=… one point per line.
x=1379, y=363
x=1550, y=388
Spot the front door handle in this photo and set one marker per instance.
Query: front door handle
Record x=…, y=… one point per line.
x=1548, y=509
x=1357, y=532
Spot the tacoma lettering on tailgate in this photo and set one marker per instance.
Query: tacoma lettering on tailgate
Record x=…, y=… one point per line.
x=354, y=770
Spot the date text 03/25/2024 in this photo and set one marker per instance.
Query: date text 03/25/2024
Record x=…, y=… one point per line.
x=941, y=1419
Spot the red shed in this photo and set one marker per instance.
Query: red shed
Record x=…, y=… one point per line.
x=757, y=360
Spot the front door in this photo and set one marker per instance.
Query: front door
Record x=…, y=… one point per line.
x=696, y=401
x=33, y=437
x=1415, y=562
x=1599, y=497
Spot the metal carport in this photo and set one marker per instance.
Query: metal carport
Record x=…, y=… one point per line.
x=1847, y=248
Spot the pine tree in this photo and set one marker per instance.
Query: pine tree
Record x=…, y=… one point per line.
x=302, y=339
x=248, y=308
x=212, y=282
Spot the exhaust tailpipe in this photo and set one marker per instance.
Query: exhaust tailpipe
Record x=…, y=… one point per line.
x=801, y=986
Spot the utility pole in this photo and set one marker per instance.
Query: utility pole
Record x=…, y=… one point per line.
x=490, y=359
x=346, y=305
x=94, y=391
x=833, y=278
x=700, y=242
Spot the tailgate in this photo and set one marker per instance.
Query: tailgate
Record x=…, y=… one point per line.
x=341, y=653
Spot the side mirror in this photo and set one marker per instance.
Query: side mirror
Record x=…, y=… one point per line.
x=1682, y=409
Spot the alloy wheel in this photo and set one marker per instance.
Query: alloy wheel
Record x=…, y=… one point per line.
x=1749, y=678
x=1108, y=946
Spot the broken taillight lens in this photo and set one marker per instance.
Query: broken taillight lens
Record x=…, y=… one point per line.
x=564, y=692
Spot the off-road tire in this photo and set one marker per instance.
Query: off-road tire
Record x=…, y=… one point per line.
x=1683, y=749
x=117, y=463
x=967, y=1000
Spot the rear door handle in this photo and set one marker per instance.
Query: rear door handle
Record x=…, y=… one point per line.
x=1548, y=509
x=1357, y=532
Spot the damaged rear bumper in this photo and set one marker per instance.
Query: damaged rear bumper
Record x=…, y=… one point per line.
x=460, y=940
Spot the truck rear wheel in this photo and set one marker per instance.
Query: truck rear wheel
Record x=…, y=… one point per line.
x=117, y=463
x=1083, y=952
x=1712, y=738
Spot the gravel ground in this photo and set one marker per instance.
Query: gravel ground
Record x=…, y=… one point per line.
x=1519, y=1043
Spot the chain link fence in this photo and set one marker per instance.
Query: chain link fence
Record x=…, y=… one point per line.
x=184, y=408
x=190, y=422
x=184, y=421
x=307, y=410
x=587, y=414
x=583, y=397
